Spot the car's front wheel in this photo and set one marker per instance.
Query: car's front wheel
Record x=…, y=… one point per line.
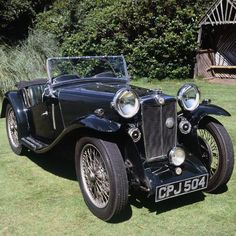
x=12, y=130
x=217, y=153
x=102, y=177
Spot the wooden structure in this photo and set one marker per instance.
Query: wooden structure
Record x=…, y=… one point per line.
x=216, y=56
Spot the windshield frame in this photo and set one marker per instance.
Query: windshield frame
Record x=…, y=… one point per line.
x=127, y=77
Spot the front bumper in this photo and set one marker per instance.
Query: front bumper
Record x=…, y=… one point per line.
x=165, y=175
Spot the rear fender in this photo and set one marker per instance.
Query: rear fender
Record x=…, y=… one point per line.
x=16, y=101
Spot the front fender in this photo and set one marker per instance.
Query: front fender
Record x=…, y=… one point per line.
x=206, y=109
x=99, y=124
x=15, y=100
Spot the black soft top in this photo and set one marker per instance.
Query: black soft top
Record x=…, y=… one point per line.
x=28, y=83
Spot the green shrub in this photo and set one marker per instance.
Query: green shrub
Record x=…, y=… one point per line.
x=157, y=37
x=26, y=61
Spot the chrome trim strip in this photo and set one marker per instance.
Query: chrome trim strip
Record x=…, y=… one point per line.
x=176, y=123
x=144, y=138
x=53, y=117
x=158, y=158
x=161, y=120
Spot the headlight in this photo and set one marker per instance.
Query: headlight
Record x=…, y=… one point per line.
x=126, y=103
x=188, y=97
x=177, y=156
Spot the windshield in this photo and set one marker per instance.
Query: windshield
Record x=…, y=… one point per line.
x=66, y=68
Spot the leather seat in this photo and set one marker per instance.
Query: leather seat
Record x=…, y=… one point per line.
x=35, y=94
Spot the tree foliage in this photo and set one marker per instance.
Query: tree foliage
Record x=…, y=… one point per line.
x=16, y=16
x=157, y=37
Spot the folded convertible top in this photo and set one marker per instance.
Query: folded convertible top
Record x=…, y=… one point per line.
x=27, y=83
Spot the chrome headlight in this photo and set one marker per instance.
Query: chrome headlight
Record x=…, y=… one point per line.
x=188, y=97
x=126, y=103
x=177, y=156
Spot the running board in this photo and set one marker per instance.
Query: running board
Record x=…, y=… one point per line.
x=33, y=143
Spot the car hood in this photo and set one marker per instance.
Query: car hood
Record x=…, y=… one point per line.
x=107, y=90
x=103, y=88
x=81, y=99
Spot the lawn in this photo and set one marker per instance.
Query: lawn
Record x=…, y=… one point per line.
x=40, y=196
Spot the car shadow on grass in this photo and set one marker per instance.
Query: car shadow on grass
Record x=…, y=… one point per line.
x=140, y=200
x=59, y=162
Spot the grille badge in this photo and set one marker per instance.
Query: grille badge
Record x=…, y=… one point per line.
x=160, y=100
x=170, y=122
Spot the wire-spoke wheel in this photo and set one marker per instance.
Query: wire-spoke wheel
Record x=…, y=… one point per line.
x=102, y=177
x=12, y=130
x=217, y=153
x=95, y=176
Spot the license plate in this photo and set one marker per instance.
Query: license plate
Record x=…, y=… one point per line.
x=181, y=187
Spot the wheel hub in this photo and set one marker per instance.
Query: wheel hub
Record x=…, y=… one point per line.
x=92, y=178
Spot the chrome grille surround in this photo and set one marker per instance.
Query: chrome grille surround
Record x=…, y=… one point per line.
x=158, y=138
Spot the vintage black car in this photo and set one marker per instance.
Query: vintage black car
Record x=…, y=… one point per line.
x=126, y=137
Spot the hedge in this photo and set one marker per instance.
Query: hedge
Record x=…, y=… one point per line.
x=157, y=37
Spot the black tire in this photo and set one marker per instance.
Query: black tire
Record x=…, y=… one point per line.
x=12, y=131
x=217, y=153
x=107, y=175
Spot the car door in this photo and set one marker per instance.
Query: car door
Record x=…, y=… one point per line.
x=41, y=115
x=42, y=122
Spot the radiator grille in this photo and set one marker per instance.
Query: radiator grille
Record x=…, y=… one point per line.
x=158, y=138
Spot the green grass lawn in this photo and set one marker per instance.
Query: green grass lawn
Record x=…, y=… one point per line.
x=40, y=196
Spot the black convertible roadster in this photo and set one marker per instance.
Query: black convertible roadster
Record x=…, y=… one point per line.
x=126, y=137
